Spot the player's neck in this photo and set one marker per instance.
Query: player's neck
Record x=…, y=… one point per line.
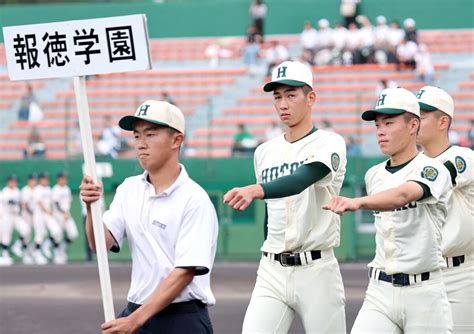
x=164, y=177
x=435, y=147
x=295, y=133
x=403, y=156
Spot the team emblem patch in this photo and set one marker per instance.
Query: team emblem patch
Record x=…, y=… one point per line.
x=460, y=164
x=335, y=161
x=429, y=173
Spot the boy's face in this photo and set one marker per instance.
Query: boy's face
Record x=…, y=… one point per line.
x=429, y=127
x=292, y=104
x=393, y=133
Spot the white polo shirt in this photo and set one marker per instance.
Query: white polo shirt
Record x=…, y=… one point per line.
x=408, y=239
x=176, y=228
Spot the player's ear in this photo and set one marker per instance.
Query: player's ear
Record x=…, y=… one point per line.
x=177, y=140
x=311, y=97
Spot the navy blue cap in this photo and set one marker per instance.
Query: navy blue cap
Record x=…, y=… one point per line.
x=32, y=176
x=43, y=175
x=61, y=174
x=12, y=177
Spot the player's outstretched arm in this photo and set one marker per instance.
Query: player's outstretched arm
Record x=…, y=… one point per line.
x=387, y=200
x=91, y=192
x=240, y=198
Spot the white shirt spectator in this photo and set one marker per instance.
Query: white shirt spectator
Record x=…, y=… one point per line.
x=407, y=51
x=309, y=38
x=395, y=36
x=366, y=36
x=277, y=54
x=339, y=37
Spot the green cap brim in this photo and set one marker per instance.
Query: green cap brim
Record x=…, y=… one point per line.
x=271, y=85
x=426, y=107
x=126, y=122
x=369, y=115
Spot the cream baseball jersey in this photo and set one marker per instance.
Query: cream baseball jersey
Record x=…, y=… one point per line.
x=408, y=239
x=61, y=195
x=42, y=194
x=27, y=197
x=11, y=201
x=297, y=223
x=458, y=233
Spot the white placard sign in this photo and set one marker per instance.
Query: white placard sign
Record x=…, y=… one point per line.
x=77, y=48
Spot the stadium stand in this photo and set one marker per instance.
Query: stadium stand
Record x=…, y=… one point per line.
x=215, y=100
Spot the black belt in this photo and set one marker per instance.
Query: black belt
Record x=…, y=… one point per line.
x=190, y=306
x=457, y=261
x=398, y=279
x=294, y=259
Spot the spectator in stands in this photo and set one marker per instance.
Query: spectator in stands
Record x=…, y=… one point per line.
x=338, y=42
x=410, y=30
x=381, y=40
x=75, y=144
x=384, y=84
x=25, y=101
x=367, y=40
x=109, y=142
x=454, y=137
x=273, y=131
x=244, y=142
x=327, y=125
x=323, y=45
x=351, y=53
x=470, y=135
x=353, y=147
x=35, y=145
x=424, y=65
x=258, y=11
x=251, y=48
x=406, y=53
x=309, y=40
x=348, y=10
x=395, y=37
x=275, y=54
x=165, y=96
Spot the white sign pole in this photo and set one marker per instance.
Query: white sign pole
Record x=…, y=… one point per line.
x=90, y=167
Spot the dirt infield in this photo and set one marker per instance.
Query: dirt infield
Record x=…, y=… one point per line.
x=66, y=299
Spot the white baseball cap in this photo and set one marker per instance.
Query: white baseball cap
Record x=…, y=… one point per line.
x=433, y=98
x=409, y=22
x=290, y=73
x=393, y=101
x=156, y=112
x=381, y=19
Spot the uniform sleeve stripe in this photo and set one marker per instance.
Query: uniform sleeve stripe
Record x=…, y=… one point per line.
x=452, y=171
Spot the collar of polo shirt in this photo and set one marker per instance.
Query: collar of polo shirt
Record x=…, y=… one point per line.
x=182, y=177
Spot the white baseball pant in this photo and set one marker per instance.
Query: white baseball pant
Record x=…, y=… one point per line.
x=422, y=307
x=459, y=283
x=314, y=291
x=67, y=225
x=42, y=223
x=9, y=223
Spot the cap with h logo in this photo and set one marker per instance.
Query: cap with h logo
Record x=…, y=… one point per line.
x=393, y=101
x=290, y=73
x=156, y=112
x=433, y=98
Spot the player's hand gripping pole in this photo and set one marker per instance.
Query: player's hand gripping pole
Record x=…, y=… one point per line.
x=89, y=160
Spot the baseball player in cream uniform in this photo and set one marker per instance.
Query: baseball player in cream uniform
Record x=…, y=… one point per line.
x=62, y=199
x=297, y=172
x=12, y=219
x=43, y=220
x=437, y=111
x=408, y=194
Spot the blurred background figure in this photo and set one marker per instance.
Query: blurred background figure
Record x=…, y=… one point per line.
x=353, y=147
x=275, y=54
x=410, y=30
x=244, y=141
x=165, y=96
x=308, y=40
x=424, y=65
x=258, y=11
x=273, y=131
x=323, y=43
x=251, y=48
x=109, y=142
x=349, y=10
x=394, y=38
x=406, y=53
x=29, y=110
x=35, y=145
